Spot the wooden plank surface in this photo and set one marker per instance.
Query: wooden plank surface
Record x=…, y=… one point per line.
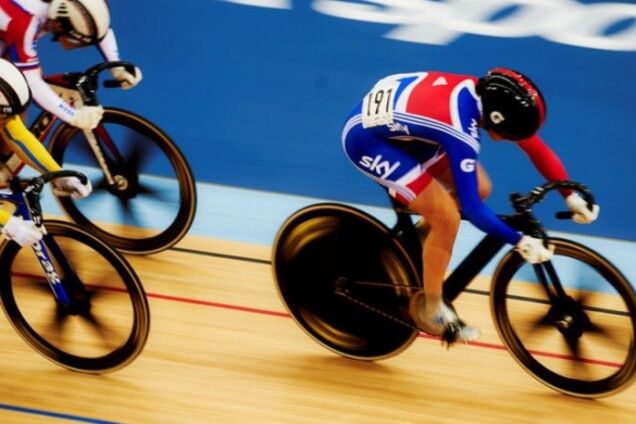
x=222, y=349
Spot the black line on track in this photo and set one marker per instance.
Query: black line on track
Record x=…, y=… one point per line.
x=222, y=255
x=472, y=291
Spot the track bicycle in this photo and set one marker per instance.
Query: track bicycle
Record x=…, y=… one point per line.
x=141, y=178
x=346, y=279
x=71, y=297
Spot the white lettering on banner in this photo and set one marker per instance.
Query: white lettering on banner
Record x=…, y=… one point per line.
x=605, y=26
x=434, y=22
x=273, y=4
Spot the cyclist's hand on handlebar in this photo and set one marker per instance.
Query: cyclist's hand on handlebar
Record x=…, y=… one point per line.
x=581, y=213
x=88, y=117
x=533, y=250
x=127, y=79
x=71, y=186
x=22, y=232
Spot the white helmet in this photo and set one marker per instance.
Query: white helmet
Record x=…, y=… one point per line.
x=15, y=94
x=86, y=21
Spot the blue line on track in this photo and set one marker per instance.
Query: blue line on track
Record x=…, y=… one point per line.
x=53, y=414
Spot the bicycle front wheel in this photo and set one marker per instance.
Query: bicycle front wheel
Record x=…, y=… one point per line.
x=345, y=281
x=105, y=325
x=570, y=322
x=150, y=203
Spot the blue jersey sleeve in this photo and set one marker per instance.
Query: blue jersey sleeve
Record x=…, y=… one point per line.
x=463, y=162
x=462, y=154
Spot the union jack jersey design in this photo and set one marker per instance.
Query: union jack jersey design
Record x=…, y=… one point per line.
x=412, y=127
x=20, y=27
x=22, y=24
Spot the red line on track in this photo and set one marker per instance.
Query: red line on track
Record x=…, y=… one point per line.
x=286, y=315
x=422, y=335
x=217, y=305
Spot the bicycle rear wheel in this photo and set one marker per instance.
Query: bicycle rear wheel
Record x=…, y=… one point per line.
x=578, y=339
x=106, y=325
x=323, y=245
x=152, y=203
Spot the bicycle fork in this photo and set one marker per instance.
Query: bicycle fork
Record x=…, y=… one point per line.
x=51, y=274
x=565, y=313
x=65, y=298
x=99, y=155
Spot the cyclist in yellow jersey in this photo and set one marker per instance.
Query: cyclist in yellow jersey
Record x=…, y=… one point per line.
x=15, y=97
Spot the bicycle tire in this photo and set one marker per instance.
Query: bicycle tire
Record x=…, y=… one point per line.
x=123, y=240
x=12, y=269
x=323, y=242
x=582, y=263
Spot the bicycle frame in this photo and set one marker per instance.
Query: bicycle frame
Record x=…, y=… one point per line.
x=82, y=91
x=478, y=258
x=45, y=122
x=28, y=207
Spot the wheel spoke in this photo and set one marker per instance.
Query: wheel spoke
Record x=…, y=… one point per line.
x=35, y=283
x=540, y=323
x=160, y=194
x=126, y=214
x=578, y=367
x=584, y=345
x=135, y=152
x=100, y=188
x=138, y=152
x=103, y=331
x=56, y=325
x=615, y=337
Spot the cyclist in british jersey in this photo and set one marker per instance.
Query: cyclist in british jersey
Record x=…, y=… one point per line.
x=417, y=135
x=73, y=23
x=15, y=97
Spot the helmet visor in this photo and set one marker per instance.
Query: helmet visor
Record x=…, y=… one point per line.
x=62, y=27
x=10, y=102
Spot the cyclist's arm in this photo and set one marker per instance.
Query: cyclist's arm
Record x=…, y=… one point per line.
x=108, y=47
x=28, y=148
x=462, y=154
x=21, y=42
x=545, y=160
x=463, y=163
x=46, y=97
x=4, y=217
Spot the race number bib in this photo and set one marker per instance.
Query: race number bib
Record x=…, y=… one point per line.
x=377, y=107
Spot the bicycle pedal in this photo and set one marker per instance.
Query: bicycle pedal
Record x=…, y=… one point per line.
x=340, y=286
x=451, y=334
x=459, y=331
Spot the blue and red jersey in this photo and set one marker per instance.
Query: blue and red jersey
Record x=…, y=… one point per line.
x=20, y=27
x=412, y=127
x=22, y=24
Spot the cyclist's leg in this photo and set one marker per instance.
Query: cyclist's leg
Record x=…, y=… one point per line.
x=408, y=171
x=429, y=310
x=483, y=182
x=439, y=210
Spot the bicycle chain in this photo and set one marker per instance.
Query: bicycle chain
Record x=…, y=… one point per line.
x=344, y=293
x=448, y=338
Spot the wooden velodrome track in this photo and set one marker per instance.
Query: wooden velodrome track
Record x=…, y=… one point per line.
x=223, y=350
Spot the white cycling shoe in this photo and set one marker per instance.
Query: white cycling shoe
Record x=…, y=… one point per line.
x=442, y=321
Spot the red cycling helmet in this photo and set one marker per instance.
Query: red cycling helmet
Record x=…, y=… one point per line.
x=513, y=106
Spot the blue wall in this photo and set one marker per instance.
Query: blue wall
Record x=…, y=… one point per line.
x=256, y=93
